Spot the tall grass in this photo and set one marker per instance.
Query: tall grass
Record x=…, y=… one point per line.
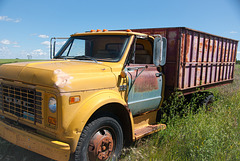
x=196, y=134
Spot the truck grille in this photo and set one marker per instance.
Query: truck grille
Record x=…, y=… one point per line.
x=21, y=102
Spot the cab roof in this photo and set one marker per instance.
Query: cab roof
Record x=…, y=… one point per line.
x=106, y=32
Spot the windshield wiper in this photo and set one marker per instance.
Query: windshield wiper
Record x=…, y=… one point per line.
x=84, y=57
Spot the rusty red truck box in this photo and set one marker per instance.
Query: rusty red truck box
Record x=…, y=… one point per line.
x=196, y=59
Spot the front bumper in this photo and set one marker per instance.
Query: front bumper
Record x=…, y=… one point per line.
x=42, y=145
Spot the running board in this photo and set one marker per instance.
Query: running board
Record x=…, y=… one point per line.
x=147, y=130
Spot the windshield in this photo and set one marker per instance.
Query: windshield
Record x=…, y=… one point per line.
x=100, y=47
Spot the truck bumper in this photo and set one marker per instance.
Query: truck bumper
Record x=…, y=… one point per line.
x=42, y=145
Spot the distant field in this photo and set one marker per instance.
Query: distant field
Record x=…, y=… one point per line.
x=4, y=61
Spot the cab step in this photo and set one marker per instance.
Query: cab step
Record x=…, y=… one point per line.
x=147, y=130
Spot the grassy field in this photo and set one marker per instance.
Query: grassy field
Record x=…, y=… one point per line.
x=204, y=135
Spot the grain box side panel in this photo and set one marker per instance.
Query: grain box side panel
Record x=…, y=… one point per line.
x=205, y=60
x=196, y=59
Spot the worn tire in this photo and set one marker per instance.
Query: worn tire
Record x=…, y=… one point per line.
x=101, y=139
x=208, y=100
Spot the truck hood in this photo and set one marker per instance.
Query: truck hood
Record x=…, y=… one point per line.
x=66, y=75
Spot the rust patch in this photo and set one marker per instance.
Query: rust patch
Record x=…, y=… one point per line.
x=211, y=49
x=182, y=48
x=188, y=47
x=205, y=54
x=195, y=44
x=101, y=145
x=145, y=84
x=172, y=43
x=146, y=81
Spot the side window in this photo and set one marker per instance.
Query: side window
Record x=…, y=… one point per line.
x=143, y=52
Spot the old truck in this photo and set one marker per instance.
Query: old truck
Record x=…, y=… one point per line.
x=103, y=89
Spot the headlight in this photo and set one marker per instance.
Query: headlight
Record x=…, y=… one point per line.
x=52, y=104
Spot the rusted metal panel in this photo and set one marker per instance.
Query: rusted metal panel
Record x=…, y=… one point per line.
x=145, y=88
x=210, y=55
x=196, y=59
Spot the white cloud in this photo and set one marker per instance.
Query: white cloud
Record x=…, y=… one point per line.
x=5, y=52
x=4, y=49
x=6, y=18
x=58, y=44
x=16, y=46
x=7, y=42
x=43, y=36
x=233, y=32
x=61, y=43
x=45, y=43
x=38, y=52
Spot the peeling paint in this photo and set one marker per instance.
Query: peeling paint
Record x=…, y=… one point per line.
x=63, y=79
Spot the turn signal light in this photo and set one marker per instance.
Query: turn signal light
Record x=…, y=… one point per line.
x=93, y=30
x=128, y=30
x=104, y=30
x=98, y=30
x=74, y=99
x=52, y=120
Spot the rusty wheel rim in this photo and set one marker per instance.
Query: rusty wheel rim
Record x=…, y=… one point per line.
x=101, y=145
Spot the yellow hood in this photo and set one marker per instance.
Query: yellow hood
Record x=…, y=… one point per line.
x=67, y=75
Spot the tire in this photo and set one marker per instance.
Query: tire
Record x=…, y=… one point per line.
x=208, y=100
x=101, y=139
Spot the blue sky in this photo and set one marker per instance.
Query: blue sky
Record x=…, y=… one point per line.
x=26, y=26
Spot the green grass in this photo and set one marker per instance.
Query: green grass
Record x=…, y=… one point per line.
x=205, y=135
x=4, y=61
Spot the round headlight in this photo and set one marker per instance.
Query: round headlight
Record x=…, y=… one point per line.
x=52, y=104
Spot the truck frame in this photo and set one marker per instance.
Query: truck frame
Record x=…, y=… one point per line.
x=103, y=89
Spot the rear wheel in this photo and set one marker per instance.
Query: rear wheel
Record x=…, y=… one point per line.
x=207, y=102
x=101, y=139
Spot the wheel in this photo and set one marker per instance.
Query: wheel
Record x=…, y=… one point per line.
x=208, y=100
x=101, y=139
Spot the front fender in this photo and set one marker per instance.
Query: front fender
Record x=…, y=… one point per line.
x=88, y=108
x=94, y=103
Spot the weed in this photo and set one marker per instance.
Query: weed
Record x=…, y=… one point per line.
x=179, y=106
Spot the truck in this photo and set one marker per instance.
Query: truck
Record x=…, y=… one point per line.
x=104, y=89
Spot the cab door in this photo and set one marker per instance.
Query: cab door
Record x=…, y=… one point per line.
x=144, y=80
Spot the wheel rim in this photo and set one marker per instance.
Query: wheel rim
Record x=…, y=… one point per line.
x=101, y=145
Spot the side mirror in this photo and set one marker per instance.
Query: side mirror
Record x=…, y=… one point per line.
x=160, y=51
x=53, y=42
x=52, y=47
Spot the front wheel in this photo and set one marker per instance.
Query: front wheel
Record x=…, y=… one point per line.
x=101, y=139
